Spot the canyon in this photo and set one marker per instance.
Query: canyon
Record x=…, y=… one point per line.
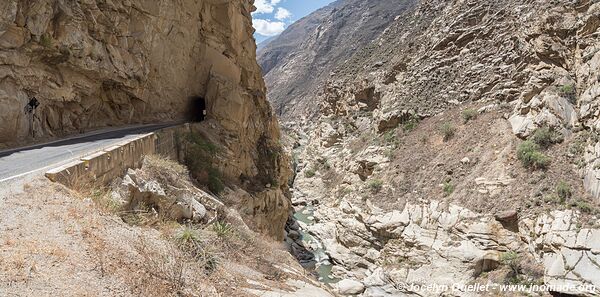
x=444, y=143
x=374, y=148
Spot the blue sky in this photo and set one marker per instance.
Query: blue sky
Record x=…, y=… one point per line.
x=273, y=16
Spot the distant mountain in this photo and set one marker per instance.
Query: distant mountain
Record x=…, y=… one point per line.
x=263, y=43
x=298, y=61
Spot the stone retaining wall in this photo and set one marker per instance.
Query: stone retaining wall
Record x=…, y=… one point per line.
x=103, y=166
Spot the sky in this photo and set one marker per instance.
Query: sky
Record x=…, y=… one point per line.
x=273, y=16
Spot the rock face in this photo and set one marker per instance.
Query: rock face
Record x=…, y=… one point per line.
x=93, y=64
x=96, y=63
x=387, y=253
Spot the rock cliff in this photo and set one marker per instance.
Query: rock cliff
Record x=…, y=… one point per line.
x=92, y=64
x=105, y=63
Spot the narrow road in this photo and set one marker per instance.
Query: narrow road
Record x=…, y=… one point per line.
x=20, y=162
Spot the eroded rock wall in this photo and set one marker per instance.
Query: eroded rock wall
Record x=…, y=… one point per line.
x=99, y=63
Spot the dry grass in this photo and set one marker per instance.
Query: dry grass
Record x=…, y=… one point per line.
x=58, y=241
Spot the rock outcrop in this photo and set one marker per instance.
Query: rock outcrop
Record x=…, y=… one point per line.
x=392, y=253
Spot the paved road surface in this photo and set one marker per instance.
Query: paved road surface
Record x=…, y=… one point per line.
x=22, y=162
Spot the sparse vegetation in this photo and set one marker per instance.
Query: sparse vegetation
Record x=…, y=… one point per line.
x=448, y=188
x=410, y=124
x=222, y=229
x=583, y=206
x=309, y=173
x=469, y=114
x=577, y=150
x=390, y=138
x=46, y=40
x=200, y=158
x=530, y=155
x=512, y=260
x=104, y=201
x=564, y=192
x=189, y=241
x=448, y=130
x=545, y=137
x=375, y=185
x=568, y=91
x=345, y=191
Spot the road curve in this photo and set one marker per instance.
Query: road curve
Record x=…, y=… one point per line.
x=20, y=162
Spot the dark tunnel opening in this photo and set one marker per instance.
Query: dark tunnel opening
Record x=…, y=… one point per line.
x=197, y=109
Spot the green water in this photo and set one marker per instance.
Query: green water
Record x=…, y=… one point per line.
x=304, y=214
x=324, y=266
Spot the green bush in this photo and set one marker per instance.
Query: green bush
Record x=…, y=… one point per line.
x=309, y=173
x=448, y=131
x=583, y=206
x=389, y=136
x=448, y=188
x=512, y=260
x=200, y=157
x=215, y=184
x=545, y=137
x=567, y=89
x=375, y=185
x=411, y=124
x=46, y=40
x=530, y=156
x=222, y=229
x=469, y=114
x=188, y=236
x=569, y=92
x=564, y=192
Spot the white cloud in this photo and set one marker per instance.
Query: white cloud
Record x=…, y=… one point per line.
x=265, y=6
x=268, y=28
x=283, y=14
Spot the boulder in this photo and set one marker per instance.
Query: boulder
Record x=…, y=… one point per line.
x=350, y=287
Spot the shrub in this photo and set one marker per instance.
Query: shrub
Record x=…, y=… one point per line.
x=568, y=91
x=309, y=173
x=46, y=40
x=389, y=136
x=511, y=259
x=200, y=157
x=447, y=130
x=222, y=229
x=375, y=185
x=563, y=190
x=530, y=156
x=469, y=114
x=448, y=188
x=189, y=242
x=544, y=137
x=583, y=206
x=215, y=184
x=103, y=199
x=188, y=236
x=411, y=124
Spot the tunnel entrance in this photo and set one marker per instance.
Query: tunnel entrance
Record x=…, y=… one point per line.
x=197, y=109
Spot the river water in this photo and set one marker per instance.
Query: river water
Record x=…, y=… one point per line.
x=323, y=265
